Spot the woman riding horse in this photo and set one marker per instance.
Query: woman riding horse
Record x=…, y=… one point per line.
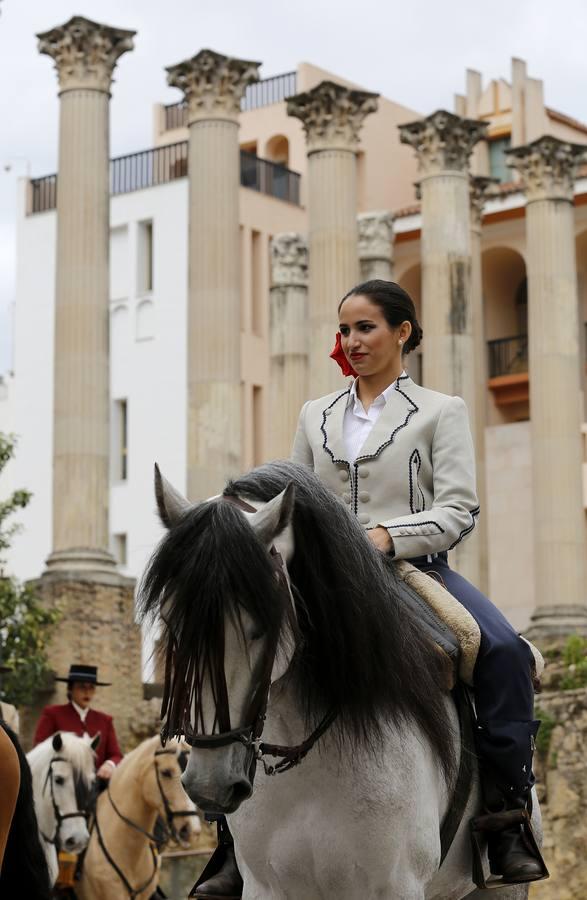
x=401, y=457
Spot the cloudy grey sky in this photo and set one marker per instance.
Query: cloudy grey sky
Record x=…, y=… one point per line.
x=413, y=51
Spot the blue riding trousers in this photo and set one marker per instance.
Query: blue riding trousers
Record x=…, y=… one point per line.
x=503, y=690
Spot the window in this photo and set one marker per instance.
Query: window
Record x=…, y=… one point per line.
x=257, y=285
x=145, y=258
x=257, y=425
x=120, y=441
x=497, y=164
x=120, y=548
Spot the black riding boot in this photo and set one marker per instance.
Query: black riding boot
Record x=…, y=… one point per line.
x=512, y=850
x=221, y=878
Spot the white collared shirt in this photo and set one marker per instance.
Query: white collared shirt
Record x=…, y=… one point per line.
x=357, y=422
x=82, y=713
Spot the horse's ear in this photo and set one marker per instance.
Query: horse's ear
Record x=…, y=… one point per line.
x=57, y=742
x=275, y=516
x=170, y=503
x=95, y=742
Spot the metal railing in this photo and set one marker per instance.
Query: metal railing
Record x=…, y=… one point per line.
x=160, y=165
x=269, y=178
x=261, y=93
x=508, y=356
x=43, y=193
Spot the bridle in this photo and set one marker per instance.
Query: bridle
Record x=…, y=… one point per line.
x=59, y=816
x=250, y=734
x=171, y=831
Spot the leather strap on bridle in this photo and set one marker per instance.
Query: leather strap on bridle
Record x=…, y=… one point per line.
x=59, y=816
x=171, y=831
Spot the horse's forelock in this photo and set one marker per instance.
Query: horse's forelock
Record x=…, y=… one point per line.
x=211, y=565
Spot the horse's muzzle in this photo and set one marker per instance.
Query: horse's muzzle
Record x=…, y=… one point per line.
x=227, y=800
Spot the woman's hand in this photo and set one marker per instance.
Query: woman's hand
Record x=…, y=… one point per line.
x=380, y=537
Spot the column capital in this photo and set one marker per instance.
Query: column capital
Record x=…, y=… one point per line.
x=213, y=84
x=85, y=53
x=443, y=141
x=375, y=234
x=481, y=187
x=289, y=260
x=548, y=167
x=332, y=115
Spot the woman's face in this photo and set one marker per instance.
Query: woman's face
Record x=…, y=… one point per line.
x=370, y=344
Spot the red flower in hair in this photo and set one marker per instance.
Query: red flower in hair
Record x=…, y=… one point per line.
x=338, y=356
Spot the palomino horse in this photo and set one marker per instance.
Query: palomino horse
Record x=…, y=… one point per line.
x=23, y=870
x=294, y=600
x=63, y=774
x=121, y=861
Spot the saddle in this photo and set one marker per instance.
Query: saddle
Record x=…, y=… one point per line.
x=447, y=622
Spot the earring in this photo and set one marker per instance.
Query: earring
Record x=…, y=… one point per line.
x=400, y=343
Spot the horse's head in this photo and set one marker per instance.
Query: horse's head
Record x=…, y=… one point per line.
x=63, y=773
x=226, y=603
x=162, y=789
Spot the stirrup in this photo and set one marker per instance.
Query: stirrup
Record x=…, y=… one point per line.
x=494, y=822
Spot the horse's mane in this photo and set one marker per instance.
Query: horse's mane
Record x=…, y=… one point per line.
x=75, y=749
x=24, y=869
x=359, y=651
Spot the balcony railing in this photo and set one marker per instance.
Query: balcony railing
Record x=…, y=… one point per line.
x=261, y=93
x=269, y=178
x=161, y=165
x=508, y=356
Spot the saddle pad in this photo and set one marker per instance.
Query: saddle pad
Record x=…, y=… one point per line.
x=456, y=618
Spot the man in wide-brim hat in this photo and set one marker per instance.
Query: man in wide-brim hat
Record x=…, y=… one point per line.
x=77, y=717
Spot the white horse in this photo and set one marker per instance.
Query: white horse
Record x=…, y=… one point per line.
x=356, y=703
x=63, y=772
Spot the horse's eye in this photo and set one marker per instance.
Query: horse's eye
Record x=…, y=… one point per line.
x=167, y=773
x=256, y=635
x=59, y=779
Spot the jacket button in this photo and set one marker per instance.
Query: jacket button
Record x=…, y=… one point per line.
x=364, y=519
x=364, y=497
x=343, y=475
x=363, y=472
x=346, y=498
x=327, y=412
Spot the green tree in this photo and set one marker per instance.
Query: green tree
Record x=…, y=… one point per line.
x=24, y=623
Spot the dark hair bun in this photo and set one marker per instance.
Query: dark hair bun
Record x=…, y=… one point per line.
x=415, y=338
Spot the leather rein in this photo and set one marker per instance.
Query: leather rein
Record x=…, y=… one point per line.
x=250, y=734
x=170, y=814
x=59, y=816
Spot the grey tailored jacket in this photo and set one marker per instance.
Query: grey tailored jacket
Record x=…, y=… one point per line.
x=415, y=473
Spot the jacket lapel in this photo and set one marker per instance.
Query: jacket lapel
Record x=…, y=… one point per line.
x=395, y=416
x=331, y=427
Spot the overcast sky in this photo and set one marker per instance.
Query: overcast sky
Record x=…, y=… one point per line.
x=412, y=51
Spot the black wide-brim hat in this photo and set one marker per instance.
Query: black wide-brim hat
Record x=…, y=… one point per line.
x=88, y=674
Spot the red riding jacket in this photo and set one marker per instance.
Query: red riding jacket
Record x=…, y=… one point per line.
x=66, y=718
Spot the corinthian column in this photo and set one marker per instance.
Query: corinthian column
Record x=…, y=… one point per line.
x=85, y=55
x=443, y=143
x=332, y=117
x=213, y=86
x=288, y=339
x=547, y=168
x=375, y=245
x=474, y=555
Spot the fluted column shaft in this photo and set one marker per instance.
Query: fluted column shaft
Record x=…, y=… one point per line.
x=85, y=55
x=288, y=382
x=547, y=167
x=474, y=560
x=213, y=86
x=332, y=117
x=375, y=246
x=443, y=143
